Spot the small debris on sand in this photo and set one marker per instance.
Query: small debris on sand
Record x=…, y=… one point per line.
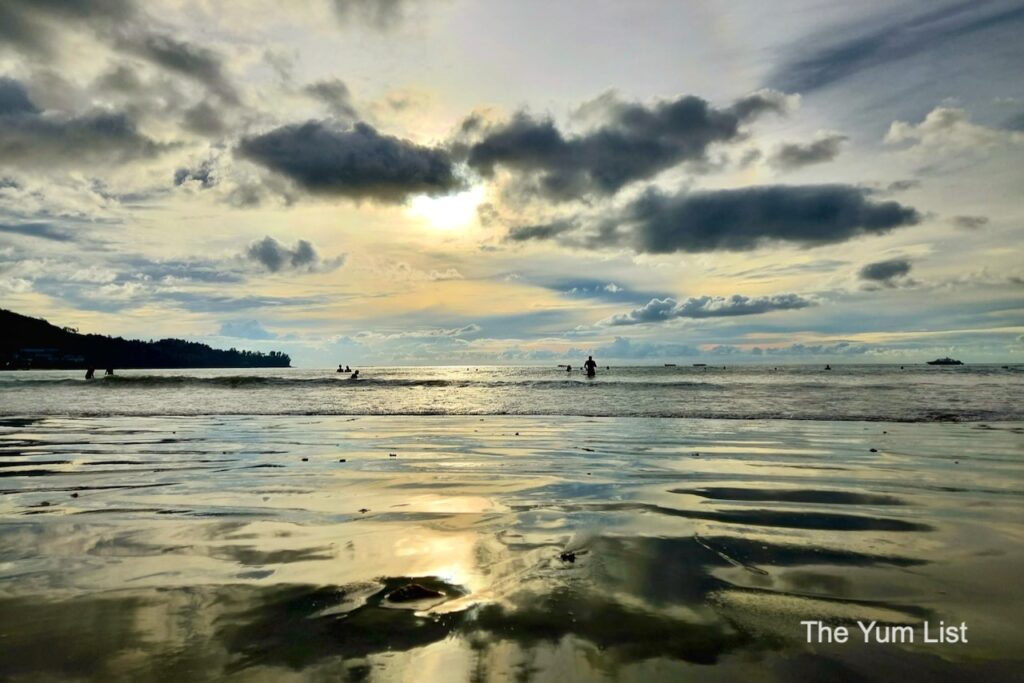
x=364, y=510
x=305, y=460
x=392, y=455
x=567, y=556
x=873, y=450
x=413, y=592
x=74, y=495
x=342, y=460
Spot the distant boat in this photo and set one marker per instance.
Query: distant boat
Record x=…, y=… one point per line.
x=700, y=365
x=670, y=365
x=945, y=361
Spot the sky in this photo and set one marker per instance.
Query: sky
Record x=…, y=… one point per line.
x=455, y=182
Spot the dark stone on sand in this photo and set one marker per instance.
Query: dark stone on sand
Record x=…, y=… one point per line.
x=567, y=556
x=342, y=460
x=873, y=450
x=392, y=455
x=74, y=495
x=364, y=510
x=305, y=460
x=413, y=592
x=517, y=433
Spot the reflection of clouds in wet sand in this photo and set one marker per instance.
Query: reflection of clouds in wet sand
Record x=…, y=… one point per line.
x=631, y=558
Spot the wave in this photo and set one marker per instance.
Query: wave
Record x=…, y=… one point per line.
x=256, y=381
x=765, y=415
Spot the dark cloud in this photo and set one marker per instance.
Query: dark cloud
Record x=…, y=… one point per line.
x=358, y=162
x=204, y=119
x=889, y=273
x=336, y=95
x=14, y=98
x=33, y=26
x=792, y=156
x=748, y=218
x=542, y=231
x=636, y=142
x=44, y=231
x=1015, y=122
x=185, y=59
x=660, y=310
x=970, y=222
x=380, y=14
x=862, y=48
x=28, y=25
x=202, y=174
x=277, y=257
x=902, y=185
x=29, y=137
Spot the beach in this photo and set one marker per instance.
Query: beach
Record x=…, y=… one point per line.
x=504, y=547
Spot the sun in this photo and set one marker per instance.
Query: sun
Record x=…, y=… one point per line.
x=450, y=212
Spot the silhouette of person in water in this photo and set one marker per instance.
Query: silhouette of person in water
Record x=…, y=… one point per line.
x=828, y=367
x=109, y=372
x=354, y=375
x=568, y=368
x=89, y=373
x=590, y=366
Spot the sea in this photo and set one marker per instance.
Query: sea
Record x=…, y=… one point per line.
x=512, y=524
x=909, y=393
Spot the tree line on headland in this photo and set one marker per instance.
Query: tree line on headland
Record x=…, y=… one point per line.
x=33, y=343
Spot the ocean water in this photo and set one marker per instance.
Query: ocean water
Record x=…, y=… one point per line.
x=919, y=393
x=510, y=524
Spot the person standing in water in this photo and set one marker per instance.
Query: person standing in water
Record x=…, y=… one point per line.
x=568, y=368
x=590, y=366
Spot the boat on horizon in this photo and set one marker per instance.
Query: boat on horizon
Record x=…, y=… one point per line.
x=945, y=361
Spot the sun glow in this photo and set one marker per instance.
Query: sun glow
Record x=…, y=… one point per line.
x=449, y=212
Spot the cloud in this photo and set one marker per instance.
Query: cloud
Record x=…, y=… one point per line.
x=792, y=156
x=14, y=98
x=379, y=14
x=624, y=348
x=204, y=119
x=544, y=231
x=44, y=231
x=202, y=174
x=661, y=310
x=860, y=49
x=948, y=129
x=969, y=222
x=357, y=163
x=245, y=329
x=889, y=273
x=335, y=94
x=27, y=25
x=747, y=218
x=277, y=257
x=635, y=142
x=902, y=185
x=185, y=59
x=32, y=138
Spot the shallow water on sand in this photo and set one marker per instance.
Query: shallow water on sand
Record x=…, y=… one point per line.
x=199, y=548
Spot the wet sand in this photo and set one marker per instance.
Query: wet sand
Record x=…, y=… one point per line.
x=243, y=548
